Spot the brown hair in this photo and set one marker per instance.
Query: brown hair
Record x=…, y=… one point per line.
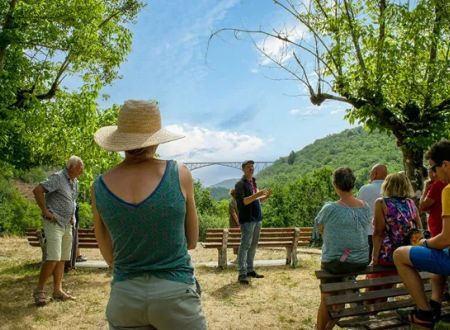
x=344, y=179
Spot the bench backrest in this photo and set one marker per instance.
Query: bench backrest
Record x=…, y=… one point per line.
x=267, y=235
x=86, y=237
x=361, y=296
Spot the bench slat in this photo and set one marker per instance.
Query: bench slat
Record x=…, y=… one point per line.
x=321, y=274
x=369, y=309
x=368, y=283
x=369, y=295
x=389, y=321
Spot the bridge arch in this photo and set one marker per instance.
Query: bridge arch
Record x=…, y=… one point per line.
x=259, y=165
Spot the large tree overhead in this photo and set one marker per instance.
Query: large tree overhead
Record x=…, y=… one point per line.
x=389, y=60
x=55, y=53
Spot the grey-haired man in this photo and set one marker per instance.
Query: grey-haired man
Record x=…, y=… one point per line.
x=56, y=197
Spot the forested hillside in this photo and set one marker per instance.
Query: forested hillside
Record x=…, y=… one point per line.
x=355, y=148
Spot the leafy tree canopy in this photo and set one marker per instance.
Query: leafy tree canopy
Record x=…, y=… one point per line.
x=55, y=56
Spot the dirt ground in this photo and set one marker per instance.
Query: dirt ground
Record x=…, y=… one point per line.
x=286, y=298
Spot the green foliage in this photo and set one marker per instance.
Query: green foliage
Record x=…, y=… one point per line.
x=42, y=122
x=33, y=175
x=295, y=203
x=355, y=148
x=85, y=215
x=210, y=221
x=16, y=213
x=291, y=158
x=211, y=214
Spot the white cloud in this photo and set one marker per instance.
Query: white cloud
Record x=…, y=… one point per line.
x=203, y=144
x=278, y=49
x=294, y=111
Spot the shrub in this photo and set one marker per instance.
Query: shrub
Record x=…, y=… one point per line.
x=16, y=213
x=34, y=175
x=85, y=215
x=210, y=221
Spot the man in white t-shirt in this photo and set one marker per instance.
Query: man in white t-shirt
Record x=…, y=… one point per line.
x=370, y=192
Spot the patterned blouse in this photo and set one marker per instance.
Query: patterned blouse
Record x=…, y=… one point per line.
x=399, y=219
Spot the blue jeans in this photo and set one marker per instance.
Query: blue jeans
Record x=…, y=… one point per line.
x=247, y=249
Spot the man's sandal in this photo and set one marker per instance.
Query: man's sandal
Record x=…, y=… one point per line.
x=413, y=319
x=62, y=296
x=39, y=297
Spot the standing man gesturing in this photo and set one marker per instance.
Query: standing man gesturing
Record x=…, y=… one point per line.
x=56, y=197
x=248, y=199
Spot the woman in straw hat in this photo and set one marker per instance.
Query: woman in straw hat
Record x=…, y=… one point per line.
x=145, y=221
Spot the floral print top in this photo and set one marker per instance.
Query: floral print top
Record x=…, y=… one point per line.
x=399, y=219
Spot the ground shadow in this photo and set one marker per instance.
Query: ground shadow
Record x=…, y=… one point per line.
x=19, y=281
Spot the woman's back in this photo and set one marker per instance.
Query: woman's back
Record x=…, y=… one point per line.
x=400, y=214
x=144, y=210
x=345, y=229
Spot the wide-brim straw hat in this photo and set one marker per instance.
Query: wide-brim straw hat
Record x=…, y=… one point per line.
x=138, y=126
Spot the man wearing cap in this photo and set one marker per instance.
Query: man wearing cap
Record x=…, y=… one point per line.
x=56, y=197
x=248, y=199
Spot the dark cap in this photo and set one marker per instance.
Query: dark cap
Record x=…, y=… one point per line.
x=247, y=162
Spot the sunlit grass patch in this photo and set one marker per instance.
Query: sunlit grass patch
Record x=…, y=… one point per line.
x=287, y=298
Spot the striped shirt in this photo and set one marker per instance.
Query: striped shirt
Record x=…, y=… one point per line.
x=61, y=195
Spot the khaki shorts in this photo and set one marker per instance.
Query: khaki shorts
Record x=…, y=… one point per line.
x=58, y=241
x=148, y=302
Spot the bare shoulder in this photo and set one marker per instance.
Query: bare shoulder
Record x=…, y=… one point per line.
x=185, y=173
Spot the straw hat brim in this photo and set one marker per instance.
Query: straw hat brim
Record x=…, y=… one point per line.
x=109, y=138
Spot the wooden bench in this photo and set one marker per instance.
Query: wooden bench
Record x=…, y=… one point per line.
x=351, y=305
x=289, y=238
x=86, y=238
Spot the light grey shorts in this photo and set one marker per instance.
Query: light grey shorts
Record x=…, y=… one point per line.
x=58, y=241
x=147, y=302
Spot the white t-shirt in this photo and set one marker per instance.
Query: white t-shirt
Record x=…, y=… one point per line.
x=369, y=193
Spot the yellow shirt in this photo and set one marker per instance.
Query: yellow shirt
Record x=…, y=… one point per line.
x=446, y=201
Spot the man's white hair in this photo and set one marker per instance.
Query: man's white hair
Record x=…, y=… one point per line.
x=73, y=161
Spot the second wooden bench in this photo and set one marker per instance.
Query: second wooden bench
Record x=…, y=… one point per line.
x=289, y=238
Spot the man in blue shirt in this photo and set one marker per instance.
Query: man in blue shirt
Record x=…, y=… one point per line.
x=248, y=199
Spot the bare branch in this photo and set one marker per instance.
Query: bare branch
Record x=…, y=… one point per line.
x=354, y=34
x=311, y=29
x=267, y=34
x=430, y=71
x=381, y=38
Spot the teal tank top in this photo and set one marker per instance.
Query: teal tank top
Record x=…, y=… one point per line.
x=149, y=237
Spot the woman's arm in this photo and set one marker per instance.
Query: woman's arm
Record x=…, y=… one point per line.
x=417, y=219
x=101, y=233
x=191, y=223
x=378, y=229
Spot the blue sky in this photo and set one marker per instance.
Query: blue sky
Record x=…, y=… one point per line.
x=230, y=102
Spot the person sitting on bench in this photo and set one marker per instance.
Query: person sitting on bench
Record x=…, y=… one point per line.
x=343, y=225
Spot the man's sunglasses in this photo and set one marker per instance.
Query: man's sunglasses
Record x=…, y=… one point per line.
x=433, y=167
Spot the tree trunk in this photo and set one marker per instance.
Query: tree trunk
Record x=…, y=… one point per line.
x=413, y=164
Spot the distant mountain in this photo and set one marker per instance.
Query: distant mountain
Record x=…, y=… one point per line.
x=229, y=183
x=221, y=190
x=355, y=148
x=219, y=193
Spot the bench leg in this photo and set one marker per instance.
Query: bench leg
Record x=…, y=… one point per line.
x=294, y=258
x=43, y=243
x=223, y=260
x=288, y=255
